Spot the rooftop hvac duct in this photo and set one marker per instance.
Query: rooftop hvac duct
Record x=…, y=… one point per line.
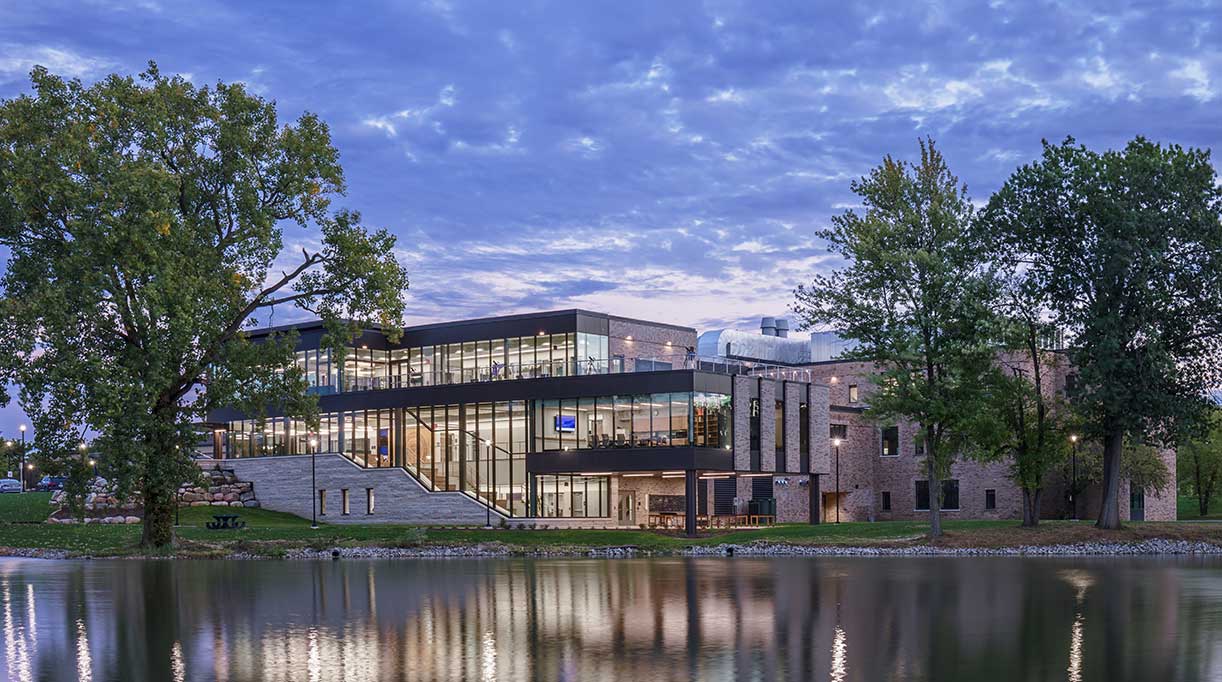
x=768, y=326
x=782, y=327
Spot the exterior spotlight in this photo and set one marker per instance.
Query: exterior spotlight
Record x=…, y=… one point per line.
x=836, y=442
x=1073, y=438
x=628, y=338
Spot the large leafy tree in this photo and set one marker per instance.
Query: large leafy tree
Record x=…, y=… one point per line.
x=1127, y=248
x=1032, y=436
x=148, y=224
x=1199, y=462
x=914, y=293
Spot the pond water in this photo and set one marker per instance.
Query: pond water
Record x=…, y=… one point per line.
x=993, y=619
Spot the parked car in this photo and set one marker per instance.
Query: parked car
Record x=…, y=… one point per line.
x=49, y=483
x=10, y=485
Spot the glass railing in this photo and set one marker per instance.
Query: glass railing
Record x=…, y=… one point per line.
x=562, y=368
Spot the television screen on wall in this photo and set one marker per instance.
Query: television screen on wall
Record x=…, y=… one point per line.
x=566, y=422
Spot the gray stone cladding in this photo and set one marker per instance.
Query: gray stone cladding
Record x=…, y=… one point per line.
x=283, y=484
x=768, y=434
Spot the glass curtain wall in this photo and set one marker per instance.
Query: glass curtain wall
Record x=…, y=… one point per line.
x=276, y=436
x=523, y=357
x=627, y=421
x=572, y=496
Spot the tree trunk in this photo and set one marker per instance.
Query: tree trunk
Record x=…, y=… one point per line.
x=159, y=491
x=935, y=491
x=1203, y=502
x=1109, y=510
x=158, y=519
x=1031, y=507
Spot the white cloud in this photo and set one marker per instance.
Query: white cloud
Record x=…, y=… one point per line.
x=18, y=60
x=1199, y=85
x=727, y=95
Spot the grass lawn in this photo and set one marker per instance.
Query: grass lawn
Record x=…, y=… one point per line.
x=271, y=533
x=24, y=507
x=1188, y=509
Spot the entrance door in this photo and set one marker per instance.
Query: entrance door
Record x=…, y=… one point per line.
x=626, y=514
x=1137, y=505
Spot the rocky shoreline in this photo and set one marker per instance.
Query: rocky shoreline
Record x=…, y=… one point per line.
x=1149, y=548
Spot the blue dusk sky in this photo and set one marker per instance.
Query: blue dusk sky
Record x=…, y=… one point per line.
x=664, y=160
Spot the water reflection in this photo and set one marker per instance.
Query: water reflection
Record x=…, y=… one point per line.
x=707, y=619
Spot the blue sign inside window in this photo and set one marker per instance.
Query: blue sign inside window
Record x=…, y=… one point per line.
x=566, y=422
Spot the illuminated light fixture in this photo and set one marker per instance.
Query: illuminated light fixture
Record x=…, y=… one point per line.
x=22, y=427
x=1073, y=438
x=673, y=475
x=833, y=380
x=670, y=473
x=82, y=447
x=836, y=442
x=542, y=333
x=628, y=338
x=638, y=475
x=727, y=447
x=93, y=462
x=668, y=343
x=715, y=477
x=365, y=346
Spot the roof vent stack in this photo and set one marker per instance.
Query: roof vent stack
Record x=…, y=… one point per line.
x=768, y=326
x=782, y=327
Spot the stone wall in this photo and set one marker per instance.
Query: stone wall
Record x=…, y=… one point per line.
x=223, y=490
x=793, y=426
x=742, y=422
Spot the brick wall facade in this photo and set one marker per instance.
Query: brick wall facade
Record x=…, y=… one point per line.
x=648, y=341
x=793, y=426
x=768, y=434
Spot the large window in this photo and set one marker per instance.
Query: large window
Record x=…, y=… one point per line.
x=572, y=496
x=712, y=415
x=950, y=495
x=632, y=421
x=890, y=441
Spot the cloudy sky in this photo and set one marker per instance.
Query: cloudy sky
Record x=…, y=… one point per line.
x=667, y=160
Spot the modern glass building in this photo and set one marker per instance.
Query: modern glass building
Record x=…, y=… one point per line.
x=558, y=415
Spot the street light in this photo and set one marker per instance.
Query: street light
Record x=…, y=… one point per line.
x=836, y=443
x=313, y=483
x=22, y=429
x=1073, y=486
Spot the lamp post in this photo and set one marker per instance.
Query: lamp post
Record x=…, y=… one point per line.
x=1073, y=485
x=836, y=443
x=22, y=428
x=313, y=483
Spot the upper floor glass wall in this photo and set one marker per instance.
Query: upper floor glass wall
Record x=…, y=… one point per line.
x=523, y=357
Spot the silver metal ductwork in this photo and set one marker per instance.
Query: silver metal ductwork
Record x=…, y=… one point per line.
x=782, y=327
x=768, y=326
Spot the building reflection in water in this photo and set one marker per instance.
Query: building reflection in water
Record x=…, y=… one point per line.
x=662, y=619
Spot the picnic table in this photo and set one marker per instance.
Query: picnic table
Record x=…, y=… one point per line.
x=225, y=522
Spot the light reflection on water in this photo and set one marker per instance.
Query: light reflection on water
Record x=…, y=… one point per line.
x=996, y=619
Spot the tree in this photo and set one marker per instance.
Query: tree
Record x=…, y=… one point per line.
x=1199, y=462
x=1033, y=437
x=148, y=222
x=1139, y=463
x=914, y=294
x=1126, y=247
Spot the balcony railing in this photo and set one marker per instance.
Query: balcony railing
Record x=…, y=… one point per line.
x=562, y=368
